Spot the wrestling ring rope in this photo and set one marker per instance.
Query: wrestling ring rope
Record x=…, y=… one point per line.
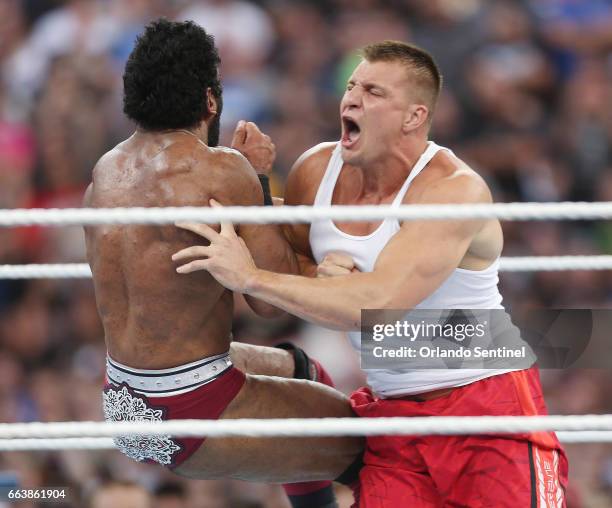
x=508, y=264
x=105, y=443
x=585, y=428
x=97, y=435
x=304, y=214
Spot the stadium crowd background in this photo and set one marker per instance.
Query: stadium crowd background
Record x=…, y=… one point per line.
x=527, y=102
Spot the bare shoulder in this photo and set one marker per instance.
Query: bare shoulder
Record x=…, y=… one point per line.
x=451, y=180
x=113, y=165
x=307, y=173
x=230, y=160
x=108, y=159
x=87, y=196
x=237, y=178
x=104, y=177
x=209, y=164
x=318, y=154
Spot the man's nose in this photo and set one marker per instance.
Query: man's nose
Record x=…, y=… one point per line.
x=352, y=97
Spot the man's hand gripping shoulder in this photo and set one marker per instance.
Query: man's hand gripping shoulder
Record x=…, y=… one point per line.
x=240, y=186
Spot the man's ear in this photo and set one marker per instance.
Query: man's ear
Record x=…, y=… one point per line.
x=211, y=103
x=416, y=116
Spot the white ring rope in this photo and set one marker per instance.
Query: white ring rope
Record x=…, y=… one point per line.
x=553, y=263
x=588, y=436
x=46, y=271
x=106, y=443
x=304, y=214
x=74, y=443
x=311, y=427
x=507, y=264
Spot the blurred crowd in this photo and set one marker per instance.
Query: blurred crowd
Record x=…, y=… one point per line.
x=527, y=102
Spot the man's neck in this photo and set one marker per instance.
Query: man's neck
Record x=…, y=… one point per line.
x=388, y=175
x=200, y=132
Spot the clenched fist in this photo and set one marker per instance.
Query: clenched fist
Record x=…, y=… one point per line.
x=336, y=263
x=256, y=146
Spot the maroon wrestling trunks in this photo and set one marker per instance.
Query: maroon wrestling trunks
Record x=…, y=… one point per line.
x=197, y=390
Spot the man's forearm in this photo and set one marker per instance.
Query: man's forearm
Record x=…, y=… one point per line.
x=274, y=254
x=330, y=302
x=270, y=249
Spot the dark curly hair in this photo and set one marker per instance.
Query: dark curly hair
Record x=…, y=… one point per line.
x=167, y=75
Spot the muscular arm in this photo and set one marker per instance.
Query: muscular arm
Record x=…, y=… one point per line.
x=414, y=263
x=411, y=267
x=267, y=243
x=301, y=189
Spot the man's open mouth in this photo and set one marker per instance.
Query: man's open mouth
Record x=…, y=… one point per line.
x=350, y=132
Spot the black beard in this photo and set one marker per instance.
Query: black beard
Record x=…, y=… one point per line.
x=214, y=131
x=214, y=128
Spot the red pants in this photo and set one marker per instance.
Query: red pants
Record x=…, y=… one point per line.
x=518, y=471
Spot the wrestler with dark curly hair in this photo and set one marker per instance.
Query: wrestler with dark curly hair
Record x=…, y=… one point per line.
x=169, y=76
x=168, y=336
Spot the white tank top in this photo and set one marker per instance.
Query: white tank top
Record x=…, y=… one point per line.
x=464, y=289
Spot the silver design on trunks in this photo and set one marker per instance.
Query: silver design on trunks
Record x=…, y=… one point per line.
x=121, y=406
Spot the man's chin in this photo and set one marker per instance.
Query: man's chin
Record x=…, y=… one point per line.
x=350, y=156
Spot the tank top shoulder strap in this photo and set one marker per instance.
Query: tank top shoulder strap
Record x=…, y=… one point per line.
x=328, y=182
x=429, y=153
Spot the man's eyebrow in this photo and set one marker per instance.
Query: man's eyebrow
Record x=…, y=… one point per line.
x=368, y=85
x=353, y=81
x=374, y=84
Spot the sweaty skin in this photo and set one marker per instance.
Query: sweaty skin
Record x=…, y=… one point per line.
x=378, y=157
x=410, y=267
x=154, y=318
x=306, y=176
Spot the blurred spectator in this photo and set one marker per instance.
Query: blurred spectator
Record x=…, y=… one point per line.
x=574, y=29
x=17, y=158
x=243, y=32
x=170, y=495
x=123, y=494
x=245, y=36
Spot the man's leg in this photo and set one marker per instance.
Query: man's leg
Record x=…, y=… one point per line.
x=286, y=360
x=262, y=360
x=289, y=362
x=527, y=470
x=283, y=360
x=483, y=471
x=309, y=494
x=395, y=472
x=278, y=459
